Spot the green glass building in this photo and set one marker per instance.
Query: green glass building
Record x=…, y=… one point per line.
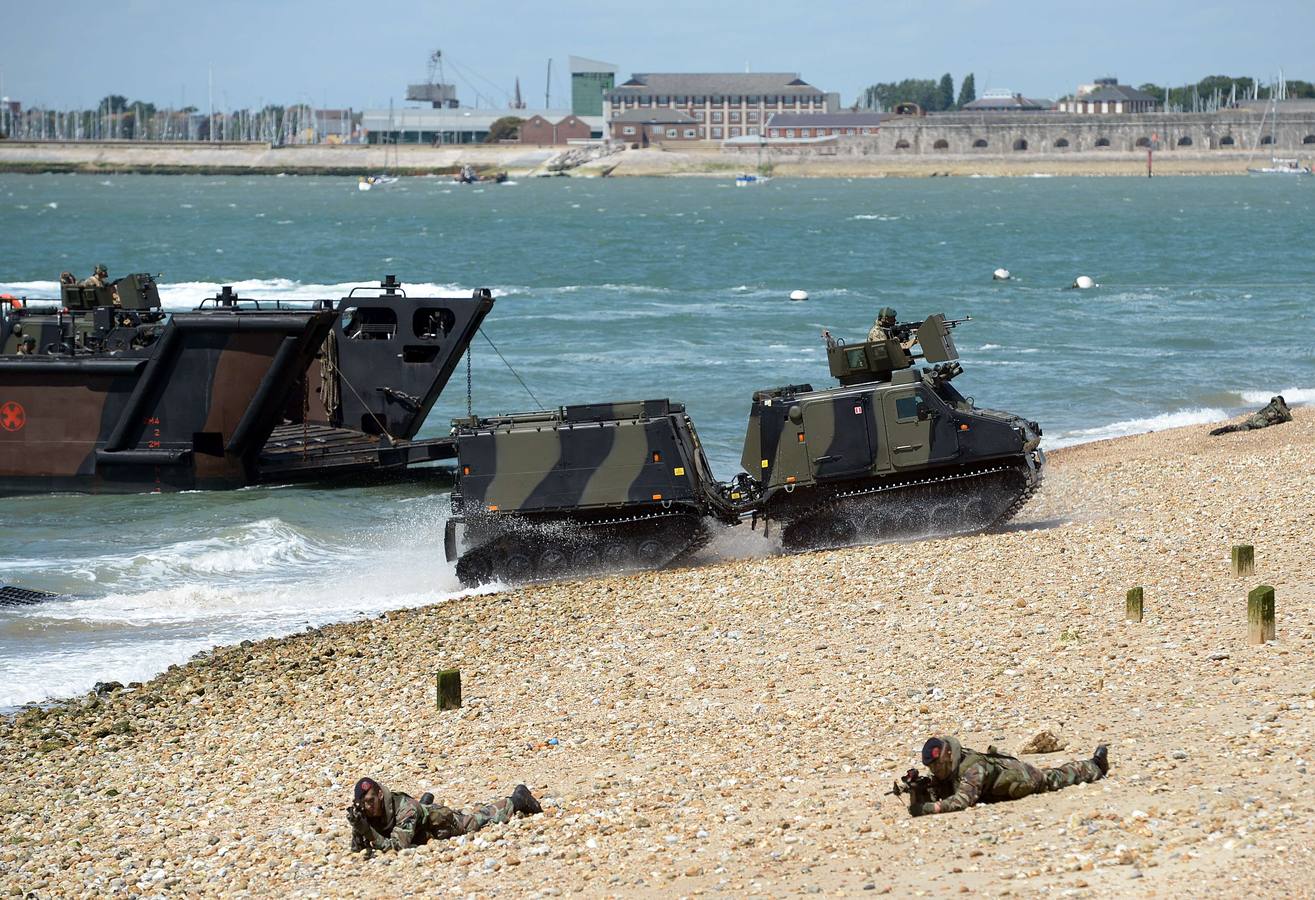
x=589, y=79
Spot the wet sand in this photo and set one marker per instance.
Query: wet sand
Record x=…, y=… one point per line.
x=730, y=729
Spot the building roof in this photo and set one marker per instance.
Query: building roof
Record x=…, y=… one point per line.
x=645, y=84
x=460, y=119
x=1010, y=103
x=581, y=64
x=654, y=117
x=1115, y=93
x=825, y=120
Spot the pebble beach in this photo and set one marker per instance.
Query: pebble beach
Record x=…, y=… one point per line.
x=730, y=729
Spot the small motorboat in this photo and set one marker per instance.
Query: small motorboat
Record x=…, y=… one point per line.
x=370, y=182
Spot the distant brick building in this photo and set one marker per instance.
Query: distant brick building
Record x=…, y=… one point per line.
x=539, y=130
x=816, y=125
x=718, y=106
x=650, y=126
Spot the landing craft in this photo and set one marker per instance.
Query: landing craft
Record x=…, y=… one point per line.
x=894, y=451
x=103, y=390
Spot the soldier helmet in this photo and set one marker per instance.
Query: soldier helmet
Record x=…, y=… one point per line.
x=101, y=270
x=886, y=313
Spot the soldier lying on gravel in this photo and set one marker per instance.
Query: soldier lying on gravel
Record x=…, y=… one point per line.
x=1275, y=412
x=386, y=820
x=961, y=778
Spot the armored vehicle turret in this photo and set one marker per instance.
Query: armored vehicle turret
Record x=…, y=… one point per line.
x=894, y=451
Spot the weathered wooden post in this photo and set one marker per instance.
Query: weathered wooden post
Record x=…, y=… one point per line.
x=1260, y=615
x=1244, y=559
x=1135, y=604
x=449, y=689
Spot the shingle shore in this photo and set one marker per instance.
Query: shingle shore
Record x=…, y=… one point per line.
x=731, y=728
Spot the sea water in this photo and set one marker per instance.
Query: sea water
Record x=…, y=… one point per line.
x=616, y=290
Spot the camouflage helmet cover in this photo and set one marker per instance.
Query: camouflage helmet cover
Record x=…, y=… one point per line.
x=886, y=312
x=101, y=270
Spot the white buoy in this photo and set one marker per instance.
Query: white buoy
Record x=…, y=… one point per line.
x=1000, y=275
x=799, y=295
x=1083, y=282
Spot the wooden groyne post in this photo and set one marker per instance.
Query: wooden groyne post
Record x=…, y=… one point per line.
x=1260, y=615
x=1244, y=559
x=1135, y=597
x=449, y=689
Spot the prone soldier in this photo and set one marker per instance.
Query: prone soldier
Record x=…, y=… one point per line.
x=1274, y=412
x=961, y=777
x=390, y=820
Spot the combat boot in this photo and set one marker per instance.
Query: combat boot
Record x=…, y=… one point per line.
x=427, y=799
x=523, y=801
x=1102, y=759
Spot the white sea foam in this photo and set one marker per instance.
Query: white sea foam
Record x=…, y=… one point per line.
x=1177, y=419
x=1294, y=396
x=875, y=218
x=989, y=347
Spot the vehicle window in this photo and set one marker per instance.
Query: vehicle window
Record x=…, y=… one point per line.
x=907, y=407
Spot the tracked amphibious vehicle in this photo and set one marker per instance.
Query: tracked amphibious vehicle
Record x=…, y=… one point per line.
x=893, y=451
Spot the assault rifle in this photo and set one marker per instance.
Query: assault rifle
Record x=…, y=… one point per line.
x=911, y=783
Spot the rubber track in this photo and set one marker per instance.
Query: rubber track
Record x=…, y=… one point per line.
x=835, y=505
x=696, y=537
x=17, y=596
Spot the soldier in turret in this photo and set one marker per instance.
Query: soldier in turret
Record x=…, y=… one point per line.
x=389, y=820
x=961, y=777
x=99, y=277
x=885, y=327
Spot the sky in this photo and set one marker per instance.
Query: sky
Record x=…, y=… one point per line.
x=337, y=53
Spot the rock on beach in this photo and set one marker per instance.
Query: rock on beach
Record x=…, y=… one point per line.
x=730, y=729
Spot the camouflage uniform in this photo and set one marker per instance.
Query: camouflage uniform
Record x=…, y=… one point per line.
x=1275, y=412
x=407, y=822
x=98, y=278
x=993, y=777
x=878, y=332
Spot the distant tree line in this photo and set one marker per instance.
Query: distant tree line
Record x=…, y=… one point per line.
x=1218, y=91
x=1211, y=92
x=930, y=94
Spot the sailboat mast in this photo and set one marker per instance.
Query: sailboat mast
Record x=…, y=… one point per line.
x=547, y=87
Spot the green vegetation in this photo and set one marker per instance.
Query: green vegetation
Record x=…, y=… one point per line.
x=930, y=94
x=508, y=128
x=967, y=91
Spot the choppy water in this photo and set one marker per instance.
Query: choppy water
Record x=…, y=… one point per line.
x=626, y=290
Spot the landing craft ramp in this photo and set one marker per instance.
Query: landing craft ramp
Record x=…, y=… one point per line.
x=294, y=453
x=383, y=366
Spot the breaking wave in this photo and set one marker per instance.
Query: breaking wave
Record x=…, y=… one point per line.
x=1294, y=396
x=1176, y=419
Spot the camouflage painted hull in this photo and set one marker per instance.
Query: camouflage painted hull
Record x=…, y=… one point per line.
x=190, y=411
